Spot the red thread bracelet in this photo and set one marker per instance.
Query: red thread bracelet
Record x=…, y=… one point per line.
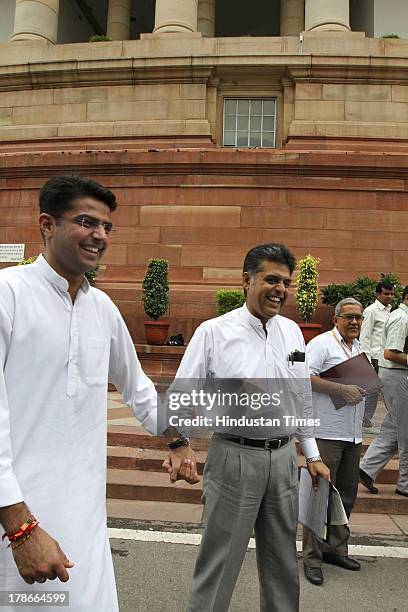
x=26, y=528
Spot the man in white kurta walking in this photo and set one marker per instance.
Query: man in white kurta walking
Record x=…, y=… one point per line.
x=60, y=342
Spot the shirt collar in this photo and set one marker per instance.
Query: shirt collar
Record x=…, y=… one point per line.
x=355, y=343
x=253, y=320
x=381, y=306
x=53, y=277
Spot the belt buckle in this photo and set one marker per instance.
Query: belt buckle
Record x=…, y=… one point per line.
x=270, y=441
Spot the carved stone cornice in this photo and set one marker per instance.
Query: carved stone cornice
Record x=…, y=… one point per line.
x=333, y=164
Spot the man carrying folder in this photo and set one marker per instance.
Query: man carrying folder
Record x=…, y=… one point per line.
x=339, y=436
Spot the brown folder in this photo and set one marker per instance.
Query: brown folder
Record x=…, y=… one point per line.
x=354, y=371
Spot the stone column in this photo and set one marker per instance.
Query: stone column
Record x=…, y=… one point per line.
x=206, y=17
x=36, y=20
x=118, y=27
x=175, y=16
x=292, y=21
x=329, y=15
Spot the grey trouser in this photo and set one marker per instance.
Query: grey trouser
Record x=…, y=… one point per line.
x=246, y=489
x=342, y=458
x=393, y=435
x=371, y=401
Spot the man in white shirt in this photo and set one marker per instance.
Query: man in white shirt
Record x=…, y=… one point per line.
x=393, y=371
x=375, y=316
x=60, y=342
x=339, y=435
x=251, y=482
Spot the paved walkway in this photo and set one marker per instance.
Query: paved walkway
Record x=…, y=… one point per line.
x=388, y=525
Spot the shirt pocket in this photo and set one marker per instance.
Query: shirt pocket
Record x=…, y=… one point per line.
x=96, y=361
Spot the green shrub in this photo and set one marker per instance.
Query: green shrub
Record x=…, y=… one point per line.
x=27, y=260
x=99, y=38
x=306, y=287
x=229, y=299
x=155, y=296
x=91, y=274
x=362, y=289
x=390, y=36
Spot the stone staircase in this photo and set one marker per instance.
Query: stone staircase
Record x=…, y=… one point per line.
x=138, y=489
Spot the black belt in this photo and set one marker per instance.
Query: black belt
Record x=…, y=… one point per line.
x=268, y=444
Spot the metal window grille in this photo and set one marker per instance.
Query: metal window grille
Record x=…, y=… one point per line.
x=249, y=122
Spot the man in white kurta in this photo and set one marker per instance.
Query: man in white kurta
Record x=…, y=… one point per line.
x=57, y=355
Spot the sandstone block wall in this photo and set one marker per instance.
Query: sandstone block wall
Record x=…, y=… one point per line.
x=202, y=210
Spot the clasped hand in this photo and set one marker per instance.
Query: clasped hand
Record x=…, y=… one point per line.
x=181, y=464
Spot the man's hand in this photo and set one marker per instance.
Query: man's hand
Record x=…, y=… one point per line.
x=352, y=394
x=318, y=468
x=40, y=557
x=181, y=464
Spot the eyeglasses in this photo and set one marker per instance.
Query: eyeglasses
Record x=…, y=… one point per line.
x=350, y=317
x=91, y=223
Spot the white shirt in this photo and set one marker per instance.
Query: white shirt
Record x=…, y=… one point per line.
x=56, y=358
x=235, y=346
x=395, y=337
x=375, y=316
x=324, y=352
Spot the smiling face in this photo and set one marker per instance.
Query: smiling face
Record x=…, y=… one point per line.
x=71, y=248
x=266, y=292
x=349, y=326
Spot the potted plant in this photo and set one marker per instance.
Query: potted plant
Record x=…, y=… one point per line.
x=228, y=299
x=155, y=298
x=306, y=295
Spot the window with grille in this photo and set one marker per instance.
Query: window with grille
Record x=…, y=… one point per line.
x=249, y=122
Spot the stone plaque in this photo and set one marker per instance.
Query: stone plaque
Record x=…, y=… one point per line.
x=11, y=253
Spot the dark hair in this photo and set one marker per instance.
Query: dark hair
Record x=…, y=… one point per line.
x=404, y=293
x=58, y=194
x=269, y=252
x=384, y=285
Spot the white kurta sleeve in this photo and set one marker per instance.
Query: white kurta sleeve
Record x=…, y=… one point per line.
x=366, y=332
x=126, y=373
x=10, y=492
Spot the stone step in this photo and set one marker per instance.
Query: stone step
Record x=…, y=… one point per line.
x=137, y=437
x=386, y=502
x=144, y=459
x=155, y=486
x=152, y=486
x=154, y=511
x=150, y=460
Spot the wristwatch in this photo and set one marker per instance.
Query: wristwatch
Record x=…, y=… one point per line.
x=183, y=440
x=313, y=459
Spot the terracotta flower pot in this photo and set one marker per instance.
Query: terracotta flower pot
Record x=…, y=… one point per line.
x=310, y=330
x=156, y=332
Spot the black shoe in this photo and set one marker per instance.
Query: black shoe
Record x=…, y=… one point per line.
x=314, y=574
x=345, y=562
x=368, y=482
x=401, y=493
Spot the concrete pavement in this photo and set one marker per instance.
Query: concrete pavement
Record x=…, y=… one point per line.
x=156, y=577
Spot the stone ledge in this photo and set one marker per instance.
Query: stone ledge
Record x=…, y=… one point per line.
x=164, y=351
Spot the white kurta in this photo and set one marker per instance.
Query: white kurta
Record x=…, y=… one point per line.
x=56, y=360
